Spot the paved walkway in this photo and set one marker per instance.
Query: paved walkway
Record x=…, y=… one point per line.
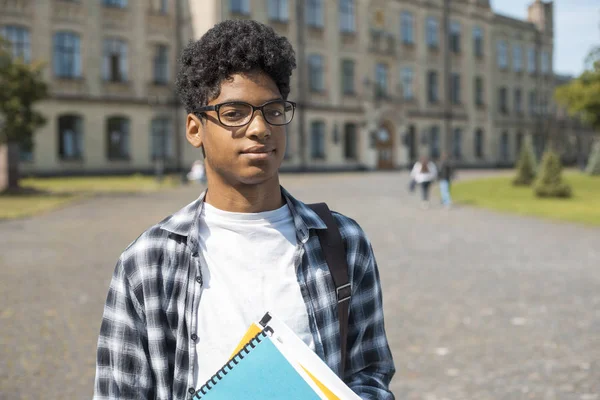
x=478, y=305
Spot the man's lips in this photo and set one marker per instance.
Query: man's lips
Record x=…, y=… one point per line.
x=258, y=150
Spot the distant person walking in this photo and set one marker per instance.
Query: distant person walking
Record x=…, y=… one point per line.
x=423, y=173
x=445, y=176
x=197, y=172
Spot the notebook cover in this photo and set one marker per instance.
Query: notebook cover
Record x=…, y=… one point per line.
x=263, y=373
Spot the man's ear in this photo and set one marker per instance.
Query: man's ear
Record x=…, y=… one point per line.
x=194, y=130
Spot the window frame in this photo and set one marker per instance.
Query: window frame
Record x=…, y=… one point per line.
x=66, y=64
x=347, y=16
x=317, y=147
x=120, y=125
x=70, y=123
x=316, y=73
x=19, y=38
x=278, y=10
x=315, y=14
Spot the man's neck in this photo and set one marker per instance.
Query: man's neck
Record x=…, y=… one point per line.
x=245, y=198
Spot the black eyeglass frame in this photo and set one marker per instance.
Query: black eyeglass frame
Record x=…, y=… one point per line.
x=216, y=107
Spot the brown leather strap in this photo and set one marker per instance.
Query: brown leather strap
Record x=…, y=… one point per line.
x=335, y=255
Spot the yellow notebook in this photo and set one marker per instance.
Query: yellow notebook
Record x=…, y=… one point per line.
x=296, y=351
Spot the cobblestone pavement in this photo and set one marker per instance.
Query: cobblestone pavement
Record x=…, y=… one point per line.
x=478, y=305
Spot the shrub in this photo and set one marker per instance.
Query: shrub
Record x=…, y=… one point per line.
x=549, y=182
x=526, y=165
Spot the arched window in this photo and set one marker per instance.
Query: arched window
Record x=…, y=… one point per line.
x=161, y=141
x=70, y=137
x=117, y=138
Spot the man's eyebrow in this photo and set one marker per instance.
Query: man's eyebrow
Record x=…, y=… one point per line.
x=236, y=100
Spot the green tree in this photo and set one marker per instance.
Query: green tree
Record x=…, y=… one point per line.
x=550, y=182
x=526, y=165
x=22, y=87
x=593, y=167
x=581, y=96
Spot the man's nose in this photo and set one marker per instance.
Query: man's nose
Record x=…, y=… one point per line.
x=258, y=127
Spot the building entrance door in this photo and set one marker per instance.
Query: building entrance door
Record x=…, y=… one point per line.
x=385, y=148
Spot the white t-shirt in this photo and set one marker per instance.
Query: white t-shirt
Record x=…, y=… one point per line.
x=249, y=271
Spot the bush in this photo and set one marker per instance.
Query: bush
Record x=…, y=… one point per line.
x=550, y=183
x=593, y=167
x=526, y=165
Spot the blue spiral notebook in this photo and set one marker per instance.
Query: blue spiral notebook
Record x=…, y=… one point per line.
x=259, y=371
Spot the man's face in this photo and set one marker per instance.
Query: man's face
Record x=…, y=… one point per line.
x=249, y=154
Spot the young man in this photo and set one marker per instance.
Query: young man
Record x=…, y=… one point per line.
x=183, y=294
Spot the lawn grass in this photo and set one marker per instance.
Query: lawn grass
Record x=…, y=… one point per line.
x=43, y=194
x=499, y=194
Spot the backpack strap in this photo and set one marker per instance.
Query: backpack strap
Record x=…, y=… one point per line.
x=335, y=255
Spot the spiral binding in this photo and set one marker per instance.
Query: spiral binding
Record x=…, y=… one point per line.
x=267, y=331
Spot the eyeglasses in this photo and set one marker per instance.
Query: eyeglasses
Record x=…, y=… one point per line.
x=238, y=113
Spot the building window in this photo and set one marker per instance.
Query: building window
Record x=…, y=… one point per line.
x=25, y=155
x=163, y=6
x=315, y=73
x=407, y=28
x=114, y=62
x=317, y=140
x=20, y=41
x=532, y=102
x=240, y=6
x=518, y=101
x=478, y=41
x=531, y=56
x=432, y=32
x=348, y=77
x=502, y=54
x=455, y=89
x=161, y=65
x=278, y=10
x=115, y=3
x=457, y=143
x=67, y=55
x=479, y=96
x=70, y=137
x=432, y=87
x=503, y=100
x=117, y=138
x=434, y=142
x=519, y=143
x=545, y=62
x=407, y=78
x=350, y=142
x=517, y=58
x=455, y=37
x=479, y=143
x=504, y=150
x=538, y=145
x=347, y=18
x=314, y=13
x=161, y=146
x=381, y=80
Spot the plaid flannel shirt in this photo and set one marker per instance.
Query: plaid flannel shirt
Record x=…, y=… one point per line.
x=145, y=350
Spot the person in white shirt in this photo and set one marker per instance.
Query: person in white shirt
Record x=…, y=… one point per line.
x=423, y=173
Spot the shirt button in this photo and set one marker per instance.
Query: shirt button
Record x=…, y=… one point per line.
x=194, y=337
x=191, y=390
x=199, y=279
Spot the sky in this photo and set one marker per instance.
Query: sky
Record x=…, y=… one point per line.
x=576, y=29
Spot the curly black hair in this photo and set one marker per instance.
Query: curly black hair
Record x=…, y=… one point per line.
x=230, y=47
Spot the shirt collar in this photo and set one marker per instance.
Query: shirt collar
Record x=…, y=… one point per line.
x=184, y=222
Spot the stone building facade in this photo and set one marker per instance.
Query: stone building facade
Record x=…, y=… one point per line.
x=378, y=82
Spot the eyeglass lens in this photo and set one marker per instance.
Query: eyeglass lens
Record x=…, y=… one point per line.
x=238, y=114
